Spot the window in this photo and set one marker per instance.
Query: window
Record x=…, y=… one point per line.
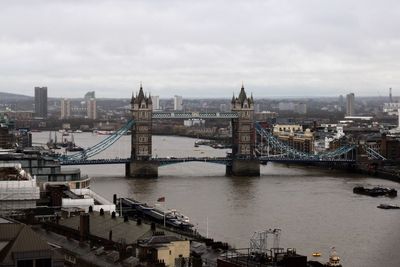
x=25, y=263
x=71, y=259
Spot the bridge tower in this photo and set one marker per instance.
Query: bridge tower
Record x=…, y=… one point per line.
x=244, y=162
x=141, y=146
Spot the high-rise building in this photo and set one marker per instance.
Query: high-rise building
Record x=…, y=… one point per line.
x=90, y=95
x=341, y=100
x=178, y=102
x=223, y=107
x=350, y=104
x=156, y=102
x=41, y=102
x=91, y=109
x=65, y=108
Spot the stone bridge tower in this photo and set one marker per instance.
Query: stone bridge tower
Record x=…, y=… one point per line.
x=141, y=146
x=244, y=162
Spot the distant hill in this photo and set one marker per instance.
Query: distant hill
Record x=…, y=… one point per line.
x=13, y=97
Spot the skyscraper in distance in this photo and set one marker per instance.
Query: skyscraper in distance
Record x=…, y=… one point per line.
x=350, y=104
x=178, y=102
x=91, y=109
x=65, y=108
x=41, y=102
x=156, y=102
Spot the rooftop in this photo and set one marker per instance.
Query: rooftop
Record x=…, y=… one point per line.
x=100, y=225
x=20, y=238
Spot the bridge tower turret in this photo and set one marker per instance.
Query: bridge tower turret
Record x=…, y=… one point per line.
x=244, y=162
x=141, y=142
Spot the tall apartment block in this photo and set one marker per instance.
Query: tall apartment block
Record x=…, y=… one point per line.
x=156, y=102
x=350, y=104
x=178, y=102
x=41, y=102
x=91, y=109
x=65, y=108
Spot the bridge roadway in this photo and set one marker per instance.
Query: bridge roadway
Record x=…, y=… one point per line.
x=218, y=160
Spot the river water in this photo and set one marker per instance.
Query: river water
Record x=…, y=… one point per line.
x=315, y=208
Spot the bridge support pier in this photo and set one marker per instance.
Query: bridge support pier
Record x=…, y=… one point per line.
x=243, y=167
x=141, y=169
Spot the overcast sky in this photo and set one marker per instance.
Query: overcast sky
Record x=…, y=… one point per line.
x=200, y=48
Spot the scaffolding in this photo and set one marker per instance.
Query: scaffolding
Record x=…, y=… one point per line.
x=18, y=190
x=259, y=242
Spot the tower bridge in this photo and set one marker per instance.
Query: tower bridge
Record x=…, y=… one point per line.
x=250, y=141
x=243, y=162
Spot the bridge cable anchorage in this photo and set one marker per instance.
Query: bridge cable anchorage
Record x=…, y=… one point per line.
x=289, y=153
x=99, y=147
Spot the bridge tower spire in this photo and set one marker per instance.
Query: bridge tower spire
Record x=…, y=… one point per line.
x=141, y=142
x=244, y=162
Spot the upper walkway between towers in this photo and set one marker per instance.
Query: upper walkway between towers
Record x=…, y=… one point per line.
x=194, y=115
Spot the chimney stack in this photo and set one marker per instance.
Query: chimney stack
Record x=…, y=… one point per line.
x=84, y=227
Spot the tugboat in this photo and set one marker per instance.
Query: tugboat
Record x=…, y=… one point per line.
x=334, y=259
x=72, y=147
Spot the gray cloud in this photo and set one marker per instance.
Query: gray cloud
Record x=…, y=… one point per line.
x=200, y=48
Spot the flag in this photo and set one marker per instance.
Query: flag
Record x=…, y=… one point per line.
x=161, y=199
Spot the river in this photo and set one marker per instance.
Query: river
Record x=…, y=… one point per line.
x=315, y=208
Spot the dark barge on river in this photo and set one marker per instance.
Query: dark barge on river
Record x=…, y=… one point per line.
x=375, y=192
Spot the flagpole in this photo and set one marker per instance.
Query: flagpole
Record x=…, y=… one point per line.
x=164, y=212
x=207, y=228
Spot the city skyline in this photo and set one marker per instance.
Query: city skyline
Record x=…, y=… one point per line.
x=278, y=48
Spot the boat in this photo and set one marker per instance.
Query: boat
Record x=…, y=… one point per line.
x=316, y=254
x=334, y=259
x=388, y=206
x=52, y=144
x=105, y=132
x=72, y=147
x=174, y=214
x=78, y=131
x=172, y=217
x=375, y=192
